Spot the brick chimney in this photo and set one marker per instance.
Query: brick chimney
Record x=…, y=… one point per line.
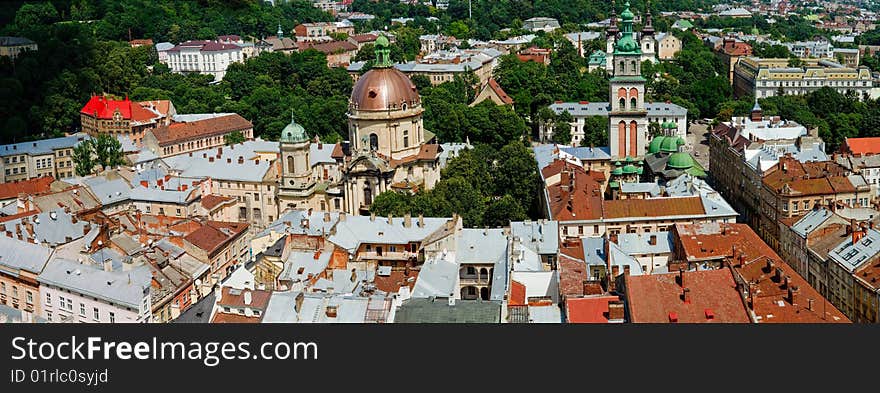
x=686, y=295
x=793, y=294
x=653, y=240
x=407, y=220
x=615, y=310
x=681, y=277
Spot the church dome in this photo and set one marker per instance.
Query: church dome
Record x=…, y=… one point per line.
x=630, y=169
x=656, y=143
x=680, y=160
x=627, y=15
x=671, y=144
x=384, y=87
x=293, y=133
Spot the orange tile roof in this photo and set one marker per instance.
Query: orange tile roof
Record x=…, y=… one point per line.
x=658, y=298
x=862, y=145
x=810, y=178
x=572, y=274
x=211, y=201
x=214, y=234
x=398, y=279
x=259, y=298
x=37, y=185
x=500, y=92
x=592, y=309
x=577, y=195
x=234, y=318
x=180, y=132
x=653, y=207
x=517, y=294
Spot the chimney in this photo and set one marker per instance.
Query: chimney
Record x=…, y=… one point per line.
x=390, y=219
x=686, y=295
x=615, y=310
x=681, y=277
x=257, y=162
x=229, y=160
x=354, y=275
x=341, y=216
x=421, y=221
x=407, y=220
x=108, y=265
x=211, y=159
x=793, y=294
x=810, y=304
x=85, y=230
x=331, y=311
x=786, y=282
x=615, y=271
x=240, y=160
x=779, y=275
x=145, y=183
x=653, y=240
x=372, y=216
x=626, y=270
x=247, y=298
x=326, y=217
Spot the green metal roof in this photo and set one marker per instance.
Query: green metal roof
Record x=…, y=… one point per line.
x=680, y=160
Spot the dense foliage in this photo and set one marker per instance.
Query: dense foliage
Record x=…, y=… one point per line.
x=488, y=187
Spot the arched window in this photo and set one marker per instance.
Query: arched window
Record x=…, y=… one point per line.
x=622, y=103
x=621, y=139
x=290, y=166
x=634, y=67
x=374, y=142
x=633, y=138
x=622, y=65
x=632, y=103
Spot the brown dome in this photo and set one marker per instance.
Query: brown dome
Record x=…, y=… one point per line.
x=383, y=89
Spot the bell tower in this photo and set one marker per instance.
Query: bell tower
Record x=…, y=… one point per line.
x=628, y=124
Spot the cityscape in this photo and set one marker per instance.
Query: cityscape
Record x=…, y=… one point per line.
x=442, y=161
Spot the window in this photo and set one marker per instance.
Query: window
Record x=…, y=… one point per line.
x=405, y=138
x=48, y=299
x=2, y=287
x=374, y=142
x=112, y=318
x=49, y=316
x=30, y=297
x=82, y=309
x=96, y=314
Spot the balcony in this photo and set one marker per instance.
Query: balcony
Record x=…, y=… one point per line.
x=387, y=255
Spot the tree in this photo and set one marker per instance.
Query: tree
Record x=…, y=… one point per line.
x=502, y=211
x=595, y=131
x=82, y=158
x=517, y=174
x=562, y=128
x=108, y=151
x=654, y=129
x=234, y=138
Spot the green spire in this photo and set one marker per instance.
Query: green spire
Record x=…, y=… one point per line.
x=627, y=42
x=294, y=132
x=383, y=52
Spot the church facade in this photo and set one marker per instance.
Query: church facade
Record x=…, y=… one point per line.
x=388, y=147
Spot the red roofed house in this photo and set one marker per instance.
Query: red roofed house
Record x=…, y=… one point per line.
x=186, y=136
x=223, y=245
x=11, y=190
x=339, y=53
x=706, y=296
x=492, y=91
x=862, y=146
x=106, y=115
x=362, y=39
x=240, y=305
x=731, y=51
x=538, y=55
x=594, y=309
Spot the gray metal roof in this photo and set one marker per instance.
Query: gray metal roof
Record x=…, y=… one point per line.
x=200, y=312
x=200, y=166
x=44, y=146
x=545, y=314
x=127, y=289
x=306, y=261
x=811, y=221
x=291, y=221
x=356, y=230
x=349, y=308
x=594, y=250
x=639, y=243
x=541, y=236
x=851, y=256
x=20, y=255
x=451, y=150
x=630, y=187
x=438, y=310
x=438, y=277
x=15, y=41
x=53, y=226
x=480, y=246
x=322, y=155
x=587, y=153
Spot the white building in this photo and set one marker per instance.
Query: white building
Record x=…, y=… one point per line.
x=204, y=57
x=78, y=292
x=658, y=112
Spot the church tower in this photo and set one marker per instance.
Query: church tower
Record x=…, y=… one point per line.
x=628, y=124
x=297, y=184
x=648, y=41
x=611, y=38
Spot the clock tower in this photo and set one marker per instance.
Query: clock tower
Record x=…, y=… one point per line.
x=628, y=123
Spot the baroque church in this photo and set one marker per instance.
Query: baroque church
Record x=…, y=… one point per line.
x=388, y=148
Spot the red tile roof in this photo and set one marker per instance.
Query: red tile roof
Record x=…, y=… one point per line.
x=234, y=318
x=517, y=294
x=213, y=235
x=500, y=92
x=332, y=47
x=37, y=185
x=575, y=196
x=236, y=298
x=397, y=279
x=658, y=298
x=185, y=131
x=211, y=201
x=204, y=46
x=811, y=178
x=360, y=38
x=103, y=107
x=862, y=145
x=572, y=274
x=653, y=207
x=592, y=309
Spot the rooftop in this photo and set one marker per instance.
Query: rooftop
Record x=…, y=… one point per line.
x=124, y=288
x=660, y=298
x=438, y=310
x=181, y=131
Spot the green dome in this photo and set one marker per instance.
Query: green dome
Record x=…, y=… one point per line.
x=629, y=159
x=627, y=44
x=680, y=160
x=382, y=41
x=670, y=125
x=671, y=144
x=630, y=169
x=293, y=133
x=654, y=146
x=617, y=163
x=617, y=171
x=640, y=170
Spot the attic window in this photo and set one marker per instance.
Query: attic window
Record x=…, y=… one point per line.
x=372, y=94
